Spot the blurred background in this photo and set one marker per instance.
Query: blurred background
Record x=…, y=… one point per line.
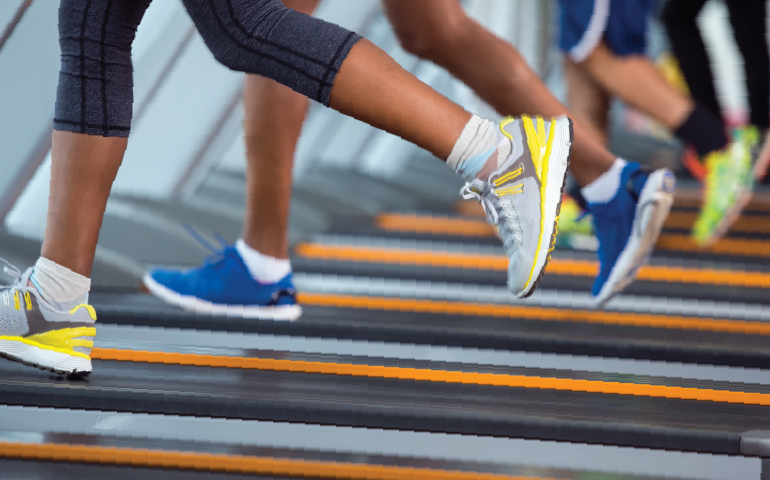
x=186, y=160
x=184, y=169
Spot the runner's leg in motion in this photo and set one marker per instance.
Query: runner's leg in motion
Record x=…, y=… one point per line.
x=319, y=60
x=273, y=120
x=687, y=44
x=613, y=54
x=166, y=284
x=749, y=21
x=443, y=33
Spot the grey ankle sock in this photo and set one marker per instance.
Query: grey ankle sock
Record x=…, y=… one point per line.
x=59, y=286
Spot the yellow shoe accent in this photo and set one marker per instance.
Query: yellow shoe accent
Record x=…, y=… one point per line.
x=509, y=176
x=536, y=142
x=540, y=150
x=27, y=301
x=90, y=309
x=60, y=341
x=16, y=303
x=512, y=190
x=542, y=170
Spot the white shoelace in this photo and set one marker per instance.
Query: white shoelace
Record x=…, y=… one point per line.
x=12, y=272
x=468, y=193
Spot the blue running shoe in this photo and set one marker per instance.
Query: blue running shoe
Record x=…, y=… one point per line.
x=223, y=286
x=628, y=227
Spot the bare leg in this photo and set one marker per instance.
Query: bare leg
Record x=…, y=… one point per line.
x=273, y=122
x=636, y=81
x=589, y=101
x=402, y=105
x=83, y=168
x=443, y=33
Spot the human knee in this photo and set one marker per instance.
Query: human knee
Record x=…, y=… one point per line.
x=95, y=91
x=430, y=38
x=234, y=31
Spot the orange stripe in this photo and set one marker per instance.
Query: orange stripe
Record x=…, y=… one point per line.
x=577, y=268
x=239, y=464
x=745, y=224
x=669, y=242
x=725, y=246
x=688, y=201
x=535, y=313
x=434, y=225
x=760, y=202
x=426, y=375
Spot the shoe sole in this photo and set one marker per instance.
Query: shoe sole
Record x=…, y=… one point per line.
x=47, y=360
x=558, y=167
x=730, y=217
x=763, y=161
x=652, y=210
x=279, y=313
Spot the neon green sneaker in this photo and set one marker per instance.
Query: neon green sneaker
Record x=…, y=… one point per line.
x=575, y=231
x=729, y=182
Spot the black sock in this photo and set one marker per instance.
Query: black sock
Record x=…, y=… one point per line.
x=703, y=131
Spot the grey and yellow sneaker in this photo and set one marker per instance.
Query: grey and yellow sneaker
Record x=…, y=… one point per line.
x=35, y=333
x=522, y=197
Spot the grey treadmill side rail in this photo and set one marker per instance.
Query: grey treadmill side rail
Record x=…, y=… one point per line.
x=756, y=443
x=377, y=417
x=11, y=25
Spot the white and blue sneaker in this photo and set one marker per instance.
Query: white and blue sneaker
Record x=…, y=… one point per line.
x=628, y=227
x=224, y=286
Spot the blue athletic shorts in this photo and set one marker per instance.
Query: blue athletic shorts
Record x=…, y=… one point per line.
x=622, y=24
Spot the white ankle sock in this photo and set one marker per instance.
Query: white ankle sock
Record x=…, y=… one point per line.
x=480, y=143
x=59, y=286
x=263, y=268
x=604, y=188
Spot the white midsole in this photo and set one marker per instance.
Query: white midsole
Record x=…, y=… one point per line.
x=40, y=357
x=281, y=312
x=639, y=247
x=557, y=170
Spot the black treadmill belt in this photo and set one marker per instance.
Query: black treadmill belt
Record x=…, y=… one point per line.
x=693, y=345
x=609, y=419
x=567, y=283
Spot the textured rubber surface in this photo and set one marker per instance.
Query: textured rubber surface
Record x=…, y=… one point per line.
x=46, y=360
x=552, y=243
x=283, y=312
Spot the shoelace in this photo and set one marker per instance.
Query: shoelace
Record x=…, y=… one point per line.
x=217, y=255
x=16, y=287
x=12, y=272
x=468, y=193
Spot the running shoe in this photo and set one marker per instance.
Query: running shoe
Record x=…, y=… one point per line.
x=762, y=154
x=35, y=333
x=729, y=183
x=576, y=229
x=628, y=227
x=224, y=286
x=522, y=198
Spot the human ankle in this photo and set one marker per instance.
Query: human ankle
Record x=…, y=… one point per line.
x=58, y=285
x=262, y=268
x=604, y=188
x=476, y=152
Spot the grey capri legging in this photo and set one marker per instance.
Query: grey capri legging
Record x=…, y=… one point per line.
x=95, y=93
